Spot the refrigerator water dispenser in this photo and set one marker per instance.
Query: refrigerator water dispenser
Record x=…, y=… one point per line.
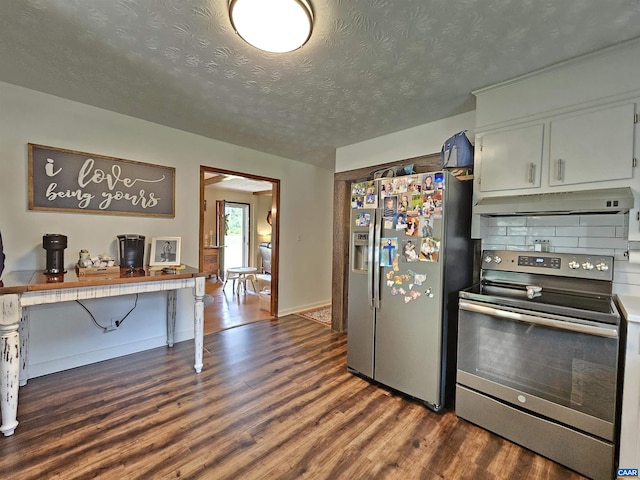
x=360, y=252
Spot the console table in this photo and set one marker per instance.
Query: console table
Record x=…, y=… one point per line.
x=21, y=289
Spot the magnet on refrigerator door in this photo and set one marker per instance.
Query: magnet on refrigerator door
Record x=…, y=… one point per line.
x=371, y=197
x=409, y=251
x=418, y=278
x=426, y=226
x=429, y=249
x=412, y=226
x=415, y=206
x=438, y=179
x=428, y=205
x=390, y=206
x=428, y=184
x=363, y=219
x=359, y=189
x=413, y=295
x=403, y=203
x=399, y=221
x=413, y=184
x=400, y=184
x=388, y=251
x=386, y=188
x=371, y=200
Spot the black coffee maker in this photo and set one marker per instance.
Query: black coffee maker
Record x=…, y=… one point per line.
x=131, y=248
x=54, y=244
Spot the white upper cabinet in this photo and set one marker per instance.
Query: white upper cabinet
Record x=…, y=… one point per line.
x=584, y=147
x=576, y=122
x=593, y=146
x=510, y=159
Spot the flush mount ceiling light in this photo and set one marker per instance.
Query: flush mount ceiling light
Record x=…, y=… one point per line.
x=276, y=26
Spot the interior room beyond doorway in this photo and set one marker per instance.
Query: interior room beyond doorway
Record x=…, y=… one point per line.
x=228, y=310
x=238, y=221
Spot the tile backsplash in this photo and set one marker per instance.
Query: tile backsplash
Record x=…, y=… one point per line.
x=586, y=234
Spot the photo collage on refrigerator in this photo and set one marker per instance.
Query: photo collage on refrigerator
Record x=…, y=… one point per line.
x=364, y=195
x=409, y=205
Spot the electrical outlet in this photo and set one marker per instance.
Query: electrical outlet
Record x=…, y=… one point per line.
x=541, y=245
x=114, y=324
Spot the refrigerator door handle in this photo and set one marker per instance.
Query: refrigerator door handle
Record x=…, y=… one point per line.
x=371, y=265
x=376, y=260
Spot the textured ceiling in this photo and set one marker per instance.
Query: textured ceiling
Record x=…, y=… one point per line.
x=371, y=67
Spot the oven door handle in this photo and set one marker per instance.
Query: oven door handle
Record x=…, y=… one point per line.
x=601, y=331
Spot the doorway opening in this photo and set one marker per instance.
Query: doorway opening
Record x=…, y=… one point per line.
x=236, y=236
x=239, y=222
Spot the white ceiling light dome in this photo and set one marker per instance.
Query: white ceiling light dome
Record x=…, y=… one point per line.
x=276, y=26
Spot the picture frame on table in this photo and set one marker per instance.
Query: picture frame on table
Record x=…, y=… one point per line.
x=165, y=251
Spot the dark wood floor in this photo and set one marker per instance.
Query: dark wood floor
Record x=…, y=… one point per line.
x=274, y=401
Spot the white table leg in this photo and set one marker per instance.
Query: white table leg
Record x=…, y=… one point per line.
x=23, y=331
x=171, y=316
x=198, y=322
x=10, y=362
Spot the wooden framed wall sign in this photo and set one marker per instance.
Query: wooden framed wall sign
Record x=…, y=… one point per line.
x=66, y=180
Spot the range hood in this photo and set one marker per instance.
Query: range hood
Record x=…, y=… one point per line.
x=606, y=200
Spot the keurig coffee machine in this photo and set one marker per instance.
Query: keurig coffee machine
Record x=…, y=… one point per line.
x=54, y=244
x=131, y=248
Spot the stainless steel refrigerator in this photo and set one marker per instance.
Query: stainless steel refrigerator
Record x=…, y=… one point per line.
x=410, y=253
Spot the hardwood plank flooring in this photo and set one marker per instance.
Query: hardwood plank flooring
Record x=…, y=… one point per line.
x=274, y=401
x=229, y=310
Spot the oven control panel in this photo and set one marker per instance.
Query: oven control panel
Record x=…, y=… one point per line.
x=599, y=267
x=540, y=262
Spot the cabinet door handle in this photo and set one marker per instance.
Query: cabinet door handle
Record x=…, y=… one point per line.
x=532, y=173
x=559, y=170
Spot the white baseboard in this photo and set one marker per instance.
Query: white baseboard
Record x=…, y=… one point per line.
x=87, y=358
x=302, y=308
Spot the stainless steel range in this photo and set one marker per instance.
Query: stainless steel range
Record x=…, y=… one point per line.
x=538, y=349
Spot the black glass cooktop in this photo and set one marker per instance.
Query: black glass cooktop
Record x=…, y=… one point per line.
x=594, y=307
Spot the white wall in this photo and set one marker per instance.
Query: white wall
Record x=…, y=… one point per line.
x=412, y=142
x=263, y=207
x=63, y=336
